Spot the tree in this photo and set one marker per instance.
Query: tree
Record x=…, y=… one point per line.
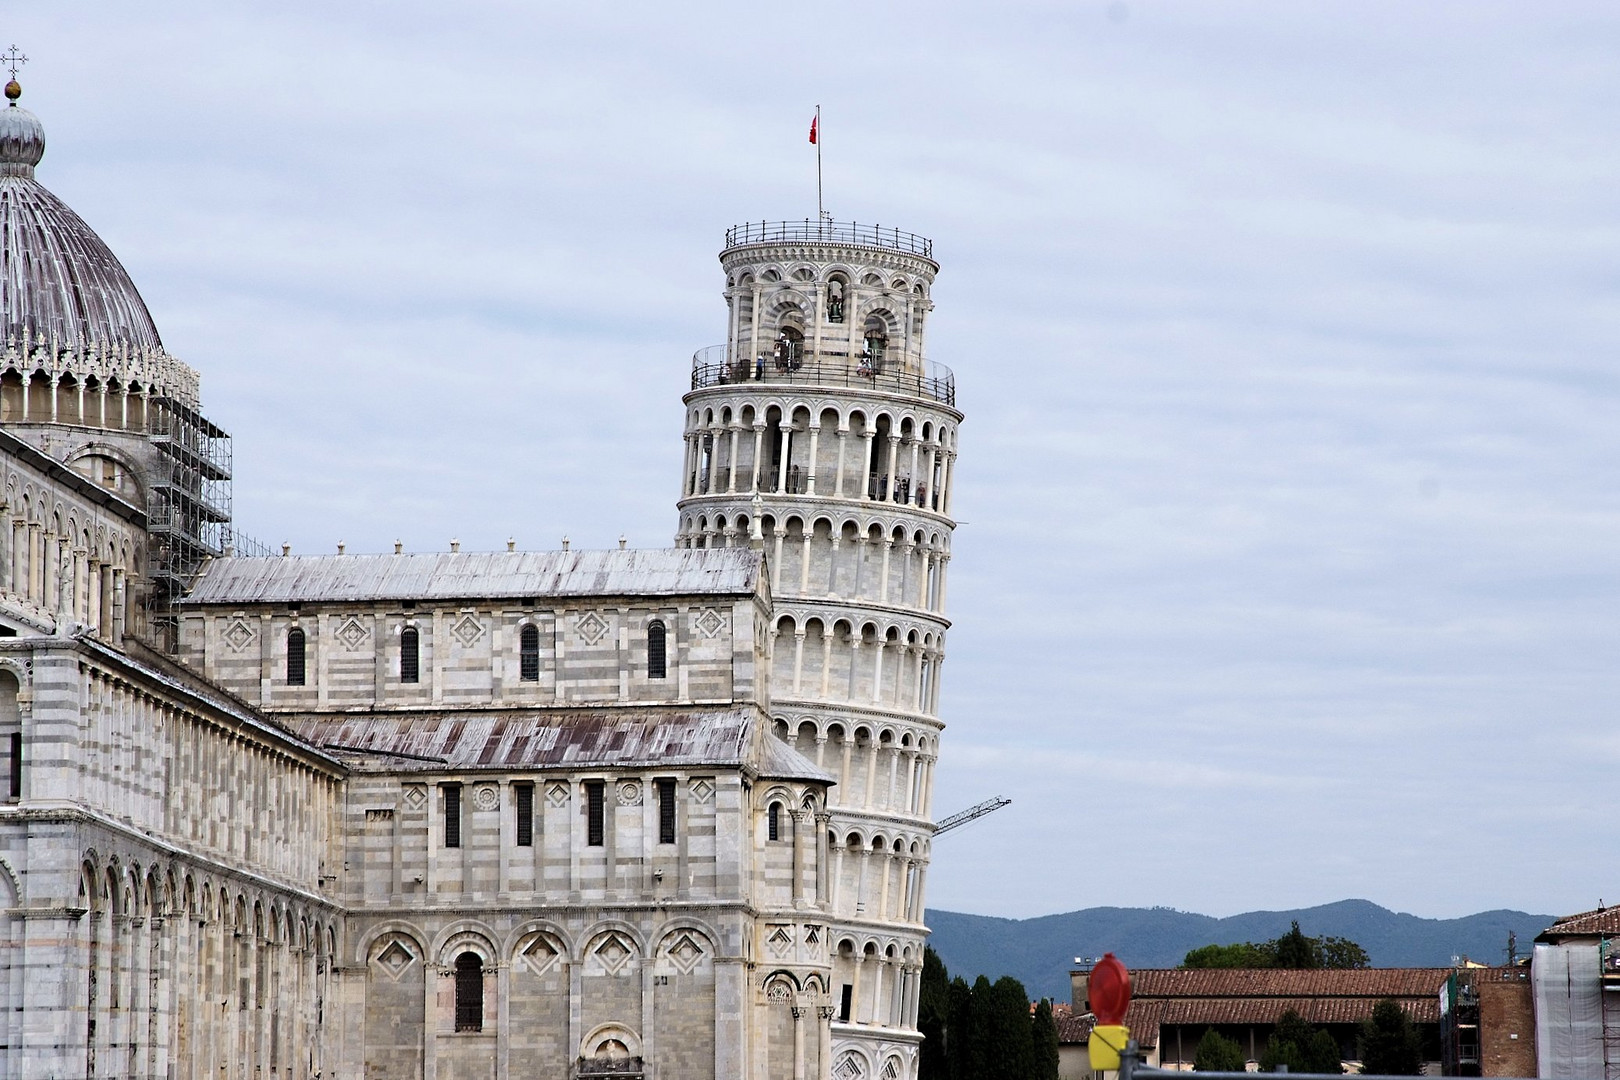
x=1044, y=1037
x=962, y=1050
x=1295, y=950
x=1243, y=955
x=1217, y=1053
x=1338, y=952
x=1301, y=1047
x=933, y=1016
x=1390, y=1043
x=1290, y=950
x=1008, y=1049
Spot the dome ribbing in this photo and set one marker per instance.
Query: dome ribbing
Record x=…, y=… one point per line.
x=58, y=280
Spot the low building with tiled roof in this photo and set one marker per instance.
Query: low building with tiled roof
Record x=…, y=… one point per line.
x=1171, y=1008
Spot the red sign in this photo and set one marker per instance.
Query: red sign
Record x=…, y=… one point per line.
x=1109, y=990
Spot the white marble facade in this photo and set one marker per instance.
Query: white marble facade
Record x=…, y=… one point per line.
x=660, y=814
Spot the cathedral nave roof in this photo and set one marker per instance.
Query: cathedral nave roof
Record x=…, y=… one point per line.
x=478, y=575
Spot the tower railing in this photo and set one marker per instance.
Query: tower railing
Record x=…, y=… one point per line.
x=894, y=374
x=829, y=232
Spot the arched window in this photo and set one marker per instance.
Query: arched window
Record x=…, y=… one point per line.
x=773, y=821
x=877, y=342
x=529, y=654
x=295, y=657
x=469, y=992
x=656, y=664
x=410, y=665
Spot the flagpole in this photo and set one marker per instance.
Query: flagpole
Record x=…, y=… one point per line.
x=821, y=215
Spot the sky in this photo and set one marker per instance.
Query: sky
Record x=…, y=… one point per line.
x=1286, y=336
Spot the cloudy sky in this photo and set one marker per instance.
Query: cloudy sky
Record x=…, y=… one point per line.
x=1286, y=335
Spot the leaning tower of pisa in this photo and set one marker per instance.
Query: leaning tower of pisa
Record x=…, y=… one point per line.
x=821, y=430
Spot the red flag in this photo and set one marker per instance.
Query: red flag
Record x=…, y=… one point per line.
x=813, y=124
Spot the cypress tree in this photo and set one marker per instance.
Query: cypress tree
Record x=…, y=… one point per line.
x=961, y=1052
x=933, y=1018
x=1044, y=1037
x=1390, y=1043
x=1009, y=1051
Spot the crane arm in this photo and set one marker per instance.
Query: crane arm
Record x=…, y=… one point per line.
x=972, y=813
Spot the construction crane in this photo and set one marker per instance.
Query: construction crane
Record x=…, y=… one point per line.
x=972, y=813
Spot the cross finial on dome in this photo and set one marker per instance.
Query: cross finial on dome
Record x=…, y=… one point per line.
x=13, y=59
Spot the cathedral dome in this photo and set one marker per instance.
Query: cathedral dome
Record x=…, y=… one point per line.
x=57, y=278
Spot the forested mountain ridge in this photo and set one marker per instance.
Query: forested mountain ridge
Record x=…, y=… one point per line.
x=1040, y=951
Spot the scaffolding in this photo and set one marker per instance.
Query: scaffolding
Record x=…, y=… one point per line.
x=188, y=508
x=1609, y=1006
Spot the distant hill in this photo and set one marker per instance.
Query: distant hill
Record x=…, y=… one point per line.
x=1039, y=952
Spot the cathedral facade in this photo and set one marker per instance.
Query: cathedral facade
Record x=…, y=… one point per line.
x=585, y=814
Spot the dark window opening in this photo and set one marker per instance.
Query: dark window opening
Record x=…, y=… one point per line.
x=452, y=815
x=16, y=764
x=295, y=657
x=410, y=655
x=666, y=811
x=656, y=666
x=594, y=823
x=469, y=992
x=773, y=821
x=524, y=796
x=845, y=1002
x=877, y=344
x=529, y=654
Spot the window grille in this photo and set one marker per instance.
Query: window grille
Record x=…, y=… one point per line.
x=594, y=814
x=469, y=992
x=656, y=666
x=773, y=818
x=410, y=646
x=524, y=796
x=295, y=657
x=666, y=811
x=452, y=815
x=529, y=654
x=16, y=764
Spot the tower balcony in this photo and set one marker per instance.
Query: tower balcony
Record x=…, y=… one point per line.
x=714, y=366
x=849, y=233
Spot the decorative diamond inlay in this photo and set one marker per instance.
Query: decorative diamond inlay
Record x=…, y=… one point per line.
x=709, y=623
x=239, y=635
x=702, y=790
x=591, y=627
x=415, y=796
x=780, y=941
x=685, y=954
x=848, y=1068
x=467, y=631
x=614, y=954
x=557, y=795
x=352, y=634
x=541, y=956
x=395, y=959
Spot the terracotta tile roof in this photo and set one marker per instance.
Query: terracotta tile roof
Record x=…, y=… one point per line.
x=1601, y=921
x=1285, y=983
x=1073, y=1027
x=1261, y=995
